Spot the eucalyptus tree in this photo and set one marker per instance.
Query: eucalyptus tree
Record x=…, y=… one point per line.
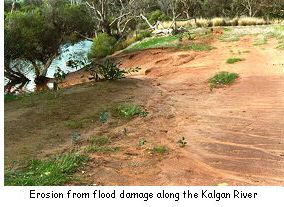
x=36, y=35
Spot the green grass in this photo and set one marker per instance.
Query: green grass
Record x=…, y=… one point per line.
x=160, y=150
x=228, y=36
x=82, y=122
x=49, y=172
x=99, y=141
x=279, y=34
x=261, y=40
x=128, y=111
x=198, y=47
x=102, y=149
x=155, y=42
x=100, y=144
x=234, y=60
x=222, y=78
x=11, y=97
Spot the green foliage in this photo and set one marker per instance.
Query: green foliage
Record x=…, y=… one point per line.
x=99, y=141
x=142, y=34
x=36, y=34
x=158, y=15
x=50, y=172
x=75, y=137
x=10, y=97
x=160, y=150
x=141, y=142
x=198, y=47
x=110, y=70
x=234, y=60
x=222, y=78
x=75, y=124
x=103, y=118
x=102, y=149
x=99, y=145
x=103, y=45
x=128, y=111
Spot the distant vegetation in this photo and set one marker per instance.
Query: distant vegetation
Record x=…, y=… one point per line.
x=35, y=30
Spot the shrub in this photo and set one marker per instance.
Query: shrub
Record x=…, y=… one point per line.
x=203, y=22
x=222, y=78
x=109, y=70
x=158, y=15
x=234, y=22
x=160, y=150
x=143, y=34
x=103, y=45
x=218, y=22
x=233, y=60
x=248, y=21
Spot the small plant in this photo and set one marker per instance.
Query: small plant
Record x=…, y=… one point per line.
x=222, y=78
x=160, y=150
x=143, y=114
x=110, y=70
x=99, y=141
x=182, y=142
x=234, y=60
x=50, y=172
x=129, y=110
x=103, y=118
x=142, y=142
x=75, y=137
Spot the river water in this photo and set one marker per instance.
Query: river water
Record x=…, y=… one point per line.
x=78, y=51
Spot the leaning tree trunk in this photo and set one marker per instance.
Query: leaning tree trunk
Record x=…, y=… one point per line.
x=16, y=82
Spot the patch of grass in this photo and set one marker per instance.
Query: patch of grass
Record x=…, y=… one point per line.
x=102, y=149
x=234, y=60
x=227, y=37
x=81, y=123
x=74, y=124
x=160, y=150
x=279, y=34
x=11, y=97
x=129, y=110
x=222, y=78
x=99, y=141
x=50, y=172
x=262, y=40
x=198, y=47
x=155, y=42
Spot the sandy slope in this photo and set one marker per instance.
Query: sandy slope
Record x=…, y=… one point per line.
x=236, y=134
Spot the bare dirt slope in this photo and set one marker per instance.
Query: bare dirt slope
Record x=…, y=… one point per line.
x=234, y=135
